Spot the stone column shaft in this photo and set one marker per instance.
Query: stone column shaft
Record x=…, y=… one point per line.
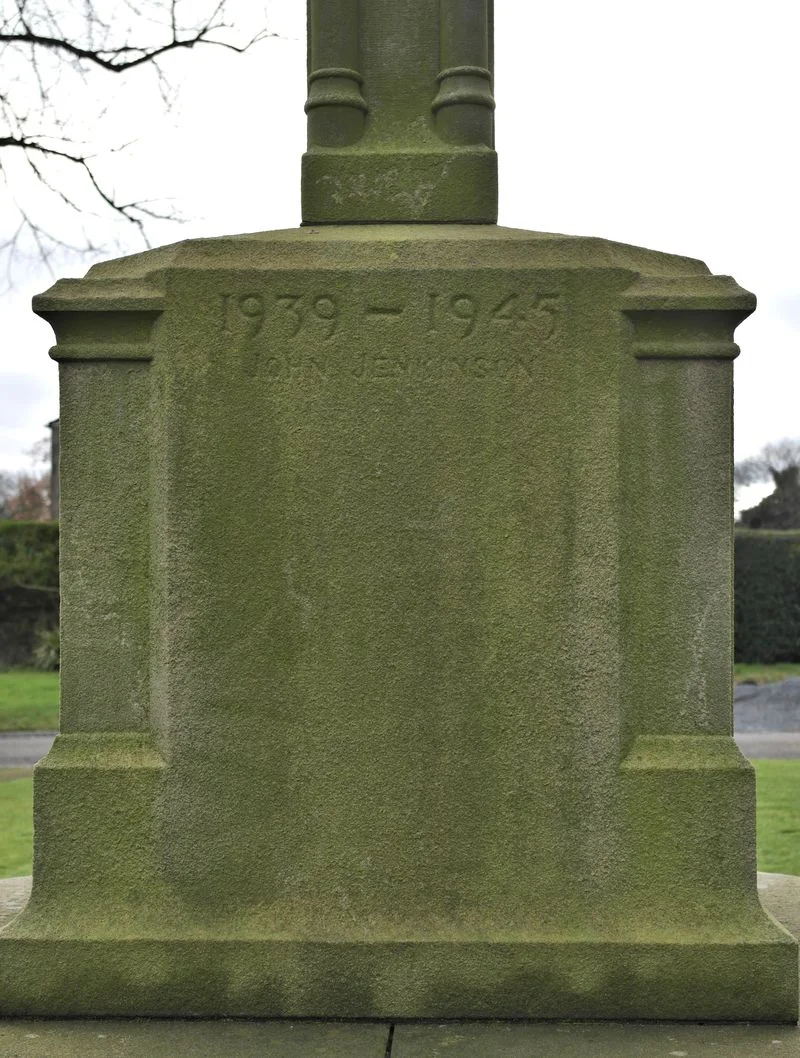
x=400, y=113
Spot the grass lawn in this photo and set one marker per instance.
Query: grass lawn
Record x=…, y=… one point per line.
x=778, y=799
x=784, y=670
x=777, y=786
x=16, y=826
x=28, y=701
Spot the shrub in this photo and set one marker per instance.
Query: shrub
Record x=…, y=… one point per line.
x=767, y=596
x=28, y=588
x=47, y=650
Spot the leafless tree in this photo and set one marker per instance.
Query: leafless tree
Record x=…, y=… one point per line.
x=773, y=463
x=25, y=494
x=779, y=463
x=49, y=49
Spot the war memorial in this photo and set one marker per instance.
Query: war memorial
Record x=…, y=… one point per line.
x=396, y=603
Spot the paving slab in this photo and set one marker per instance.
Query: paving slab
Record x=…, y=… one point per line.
x=780, y=895
x=191, y=1039
x=594, y=1040
x=14, y=893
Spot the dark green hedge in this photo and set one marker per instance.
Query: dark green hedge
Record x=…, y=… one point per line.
x=767, y=595
x=28, y=587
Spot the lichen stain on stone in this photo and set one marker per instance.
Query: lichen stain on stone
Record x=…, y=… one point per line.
x=695, y=702
x=383, y=188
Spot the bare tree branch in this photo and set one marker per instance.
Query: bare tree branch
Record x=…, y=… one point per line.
x=134, y=212
x=44, y=46
x=115, y=60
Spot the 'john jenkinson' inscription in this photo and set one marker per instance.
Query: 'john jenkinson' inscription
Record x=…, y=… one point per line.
x=385, y=367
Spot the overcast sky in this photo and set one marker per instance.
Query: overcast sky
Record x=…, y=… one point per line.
x=668, y=125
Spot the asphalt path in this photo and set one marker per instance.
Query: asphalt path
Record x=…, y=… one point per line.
x=23, y=749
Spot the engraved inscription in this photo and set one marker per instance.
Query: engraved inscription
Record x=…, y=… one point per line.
x=243, y=316
x=458, y=306
x=458, y=313
x=377, y=367
x=247, y=315
x=325, y=309
x=289, y=335
x=537, y=313
x=290, y=304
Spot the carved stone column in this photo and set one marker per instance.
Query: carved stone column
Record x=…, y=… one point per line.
x=336, y=108
x=400, y=113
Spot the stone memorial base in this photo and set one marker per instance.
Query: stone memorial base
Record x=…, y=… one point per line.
x=408, y=980
x=142, y=1038
x=396, y=595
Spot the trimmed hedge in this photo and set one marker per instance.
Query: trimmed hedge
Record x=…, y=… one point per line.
x=28, y=587
x=767, y=596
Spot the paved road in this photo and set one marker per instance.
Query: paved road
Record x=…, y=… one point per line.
x=24, y=749
x=769, y=745
x=767, y=720
x=774, y=707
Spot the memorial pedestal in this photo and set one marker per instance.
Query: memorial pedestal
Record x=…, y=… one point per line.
x=397, y=629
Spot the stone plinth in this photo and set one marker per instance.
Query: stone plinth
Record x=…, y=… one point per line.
x=85, y=1038
x=397, y=639
x=82, y=1038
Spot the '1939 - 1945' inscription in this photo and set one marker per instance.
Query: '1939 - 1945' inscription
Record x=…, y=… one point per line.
x=427, y=319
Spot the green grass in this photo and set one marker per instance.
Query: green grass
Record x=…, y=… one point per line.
x=28, y=701
x=765, y=673
x=777, y=786
x=16, y=826
x=778, y=799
